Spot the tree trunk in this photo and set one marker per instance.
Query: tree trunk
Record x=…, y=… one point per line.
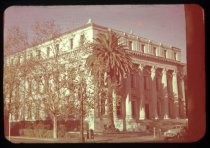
x=9, y=119
x=54, y=127
x=81, y=124
x=110, y=107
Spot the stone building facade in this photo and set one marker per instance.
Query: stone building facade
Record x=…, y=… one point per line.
x=155, y=91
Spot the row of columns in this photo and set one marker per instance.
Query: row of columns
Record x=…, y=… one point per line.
x=164, y=97
x=159, y=94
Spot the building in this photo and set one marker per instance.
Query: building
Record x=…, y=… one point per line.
x=156, y=91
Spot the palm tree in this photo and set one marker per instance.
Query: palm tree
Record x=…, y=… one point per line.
x=109, y=62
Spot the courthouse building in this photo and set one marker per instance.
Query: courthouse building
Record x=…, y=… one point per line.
x=155, y=91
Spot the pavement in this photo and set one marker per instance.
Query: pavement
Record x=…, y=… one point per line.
x=105, y=138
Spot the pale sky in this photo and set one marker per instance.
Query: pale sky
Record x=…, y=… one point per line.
x=162, y=23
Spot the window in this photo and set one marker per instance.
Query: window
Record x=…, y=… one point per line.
x=57, y=47
x=154, y=50
x=174, y=55
x=142, y=47
x=38, y=54
x=18, y=59
x=133, y=106
x=165, y=53
x=146, y=111
x=130, y=45
x=82, y=39
x=71, y=43
x=48, y=51
x=119, y=111
x=21, y=58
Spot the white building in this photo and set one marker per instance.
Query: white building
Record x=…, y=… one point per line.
x=156, y=91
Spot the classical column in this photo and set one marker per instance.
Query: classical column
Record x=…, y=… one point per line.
x=175, y=94
x=114, y=96
x=165, y=93
x=128, y=107
x=154, y=93
x=141, y=89
x=147, y=92
x=181, y=95
x=106, y=107
x=128, y=111
x=170, y=94
x=159, y=93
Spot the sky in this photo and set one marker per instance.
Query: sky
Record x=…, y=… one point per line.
x=161, y=23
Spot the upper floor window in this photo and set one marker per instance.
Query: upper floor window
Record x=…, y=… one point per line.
x=38, y=54
x=174, y=55
x=130, y=45
x=82, y=39
x=133, y=107
x=154, y=50
x=57, y=47
x=165, y=53
x=48, y=51
x=71, y=43
x=142, y=47
x=18, y=59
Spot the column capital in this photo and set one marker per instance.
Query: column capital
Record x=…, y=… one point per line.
x=174, y=73
x=164, y=70
x=153, y=69
x=141, y=66
x=180, y=75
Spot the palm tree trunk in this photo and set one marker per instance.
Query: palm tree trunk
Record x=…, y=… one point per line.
x=110, y=106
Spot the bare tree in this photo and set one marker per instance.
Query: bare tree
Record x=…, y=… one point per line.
x=11, y=85
x=15, y=40
x=54, y=73
x=45, y=30
x=51, y=83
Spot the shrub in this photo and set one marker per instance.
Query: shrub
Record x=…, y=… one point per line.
x=48, y=134
x=28, y=132
x=108, y=130
x=40, y=133
x=67, y=136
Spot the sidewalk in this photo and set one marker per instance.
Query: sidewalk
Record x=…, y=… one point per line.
x=106, y=138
